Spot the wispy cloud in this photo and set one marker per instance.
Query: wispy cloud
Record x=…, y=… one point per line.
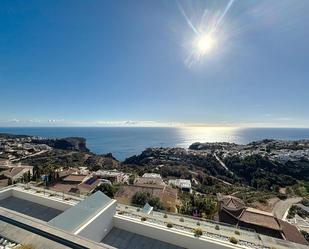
x=269, y=121
x=97, y=123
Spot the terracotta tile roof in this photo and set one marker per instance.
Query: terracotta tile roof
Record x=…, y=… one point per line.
x=12, y=171
x=232, y=202
x=291, y=233
x=259, y=219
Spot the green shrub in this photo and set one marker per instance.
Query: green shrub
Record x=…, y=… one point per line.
x=181, y=219
x=217, y=227
x=137, y=210
x=282, y=196
x=198, y=223
x=169, y=224
x=198, y=232
x=165, y=216
x=143, y=219
x=237, y=232
x=141, y=198
x=233, y=240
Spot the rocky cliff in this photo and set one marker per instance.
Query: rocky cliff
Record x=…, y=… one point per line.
x=69, y=143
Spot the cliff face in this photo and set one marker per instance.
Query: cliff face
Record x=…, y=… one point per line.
x=69, y=143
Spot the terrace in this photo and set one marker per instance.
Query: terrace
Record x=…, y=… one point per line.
x=210, y=229
x=29, y=208
x=123, y=239
x=94, y=218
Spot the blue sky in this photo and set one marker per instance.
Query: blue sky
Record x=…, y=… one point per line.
x=110, y=62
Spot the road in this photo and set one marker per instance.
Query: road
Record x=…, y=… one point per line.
x=213, y=177
x=281, y=207
x=32, y=155
x=222, y=163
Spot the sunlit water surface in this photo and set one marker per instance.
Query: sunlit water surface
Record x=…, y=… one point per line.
x=124, y=142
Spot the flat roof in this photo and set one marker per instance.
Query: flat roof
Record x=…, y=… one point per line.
x=75, y=178
x=152, y=175
x=29, y=208
x=27, y=230
x=123, y=239
x=25, y=237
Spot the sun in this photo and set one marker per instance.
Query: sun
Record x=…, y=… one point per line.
x=204, y=43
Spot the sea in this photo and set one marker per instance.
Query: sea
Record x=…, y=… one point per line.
x=124, y=142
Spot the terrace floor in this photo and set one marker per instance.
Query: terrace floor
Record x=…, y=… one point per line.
x=122, y=239
x=30, y=208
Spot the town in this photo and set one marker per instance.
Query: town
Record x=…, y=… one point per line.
x=196, y=185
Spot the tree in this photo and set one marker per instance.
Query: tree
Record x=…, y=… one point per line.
x=141, y=198
x=107, y=189
x=198, y=205
x=132, y=179
x=155, y=202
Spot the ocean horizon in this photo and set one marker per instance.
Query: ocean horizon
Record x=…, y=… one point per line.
x=124, y=142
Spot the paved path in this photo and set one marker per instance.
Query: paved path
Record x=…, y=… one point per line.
x=32, y=155
x=281, y=208
x=222, y=163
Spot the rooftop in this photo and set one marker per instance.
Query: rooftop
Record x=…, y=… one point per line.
x=123, y=239
x=231, y=202
x=75, y=178
x=247, y=238
x=152, y=175
x=29, y=208
x=259, y=219
x=80, y=218
x=11, y=172
x=71, y=219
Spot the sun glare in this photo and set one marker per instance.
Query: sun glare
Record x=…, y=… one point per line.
x=204, y=43
x=209, y=30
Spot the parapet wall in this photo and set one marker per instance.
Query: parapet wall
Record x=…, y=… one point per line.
x=42, y=200
x=100, y=225
x=5, y=193
x=34, y=197
x=169, y=235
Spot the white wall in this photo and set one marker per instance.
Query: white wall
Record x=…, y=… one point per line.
x=40, y=199
x=100, y=225
x=6, y=193
x=169, y=235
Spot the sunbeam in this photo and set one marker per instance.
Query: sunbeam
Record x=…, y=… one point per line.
x=206, y=38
